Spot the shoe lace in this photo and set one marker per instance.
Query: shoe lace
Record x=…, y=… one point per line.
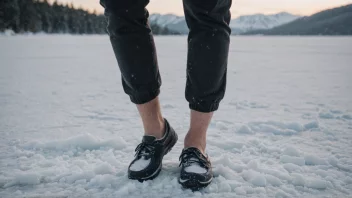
x=144, y=149
x=190, y=156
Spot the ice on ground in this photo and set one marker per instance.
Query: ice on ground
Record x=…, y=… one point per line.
x=68, y=130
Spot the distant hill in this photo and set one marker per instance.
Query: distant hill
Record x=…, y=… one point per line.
x=337, y=21
x=238, y=25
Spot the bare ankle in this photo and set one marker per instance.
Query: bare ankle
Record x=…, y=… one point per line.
x=152, y=118
x=196, y=136
x=156, y=129
x=196, y=139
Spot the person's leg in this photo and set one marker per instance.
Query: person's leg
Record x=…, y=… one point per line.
x=208, y=45
x=153, y=121
x=196, y=136
x=134, y=48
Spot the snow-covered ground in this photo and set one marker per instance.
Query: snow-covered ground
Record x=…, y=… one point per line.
x=68, y=130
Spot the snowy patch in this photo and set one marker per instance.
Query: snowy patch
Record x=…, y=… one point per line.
x=87, y=175
x=68, y=133
x=336, y=111
x=168, y=106
x=282, y=175
x=255, y=178
x=195, y=168
x=85, y=141
x=24, y=178
x=347, y=117
x=140, y=164
x=245, y=130
x=252, y=164
x=326, y=115
x=317, y=184
x=294, y=160
x=104, y=168
x=311, y=125
x=277, y=128
x=225, y=160
x=102, y=181
x=221, y=125
x=314, y=160
x=246, y=104
x=290, y=151
x=298, y=180
x=274, y=181
x=8, y=33
x=292, y=167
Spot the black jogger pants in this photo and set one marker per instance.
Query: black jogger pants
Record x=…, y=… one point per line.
x=208, y=46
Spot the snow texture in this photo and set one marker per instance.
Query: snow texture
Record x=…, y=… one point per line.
x=68, y=130
x=195, y=168
x=140, y=164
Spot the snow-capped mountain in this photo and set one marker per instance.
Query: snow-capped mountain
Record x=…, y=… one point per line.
x=167, y=19
x=260, y=21
x=170, y=21
x=238, y=25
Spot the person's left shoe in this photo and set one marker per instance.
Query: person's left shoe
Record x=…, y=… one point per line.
x=149, y=155
x=196, y=170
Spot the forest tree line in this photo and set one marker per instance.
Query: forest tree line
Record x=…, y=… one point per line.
x=35, y=16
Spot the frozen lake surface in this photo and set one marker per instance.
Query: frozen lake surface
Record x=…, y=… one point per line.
x=284, y=128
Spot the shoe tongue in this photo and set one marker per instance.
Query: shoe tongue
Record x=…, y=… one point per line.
x=148, y=139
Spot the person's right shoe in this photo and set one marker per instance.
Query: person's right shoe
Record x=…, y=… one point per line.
x=149, y=155
x=196, y=170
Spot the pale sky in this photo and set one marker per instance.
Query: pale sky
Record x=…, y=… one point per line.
x=239, y=7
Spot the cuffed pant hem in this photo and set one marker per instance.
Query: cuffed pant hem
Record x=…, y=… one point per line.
x=204, y=108
x=142, y=98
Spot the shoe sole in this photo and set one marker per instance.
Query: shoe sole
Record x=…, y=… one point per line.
x=194, y=185
x=172, y=143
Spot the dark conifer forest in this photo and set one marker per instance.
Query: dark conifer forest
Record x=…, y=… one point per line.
x=35, y=16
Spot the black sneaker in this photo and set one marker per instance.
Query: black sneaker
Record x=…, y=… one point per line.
x=196, y=170
x=149, y=155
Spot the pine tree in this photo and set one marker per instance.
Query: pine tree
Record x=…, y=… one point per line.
x=9, y=15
